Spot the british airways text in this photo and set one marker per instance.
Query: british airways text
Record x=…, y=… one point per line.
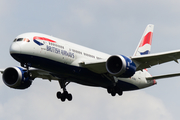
x=58, y=51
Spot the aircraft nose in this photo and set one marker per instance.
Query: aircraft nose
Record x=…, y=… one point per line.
x=15, y=48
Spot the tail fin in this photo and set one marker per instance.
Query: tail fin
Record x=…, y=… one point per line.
x=144, y=46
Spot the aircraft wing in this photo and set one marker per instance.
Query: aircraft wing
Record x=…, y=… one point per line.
x=142, y=62
x=146, y=61
x=37, y=73
x=97, y=66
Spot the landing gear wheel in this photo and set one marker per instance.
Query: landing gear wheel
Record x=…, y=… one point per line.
x=109, y=90
x=113, y=94
x=114, y=90
x=69, y=97
x=59, y=95
x=120, y=92
x=63, y=98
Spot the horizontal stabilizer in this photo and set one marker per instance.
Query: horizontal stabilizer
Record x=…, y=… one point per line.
x=163, y=76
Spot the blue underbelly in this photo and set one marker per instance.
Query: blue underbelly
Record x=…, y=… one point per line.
x=72, y=73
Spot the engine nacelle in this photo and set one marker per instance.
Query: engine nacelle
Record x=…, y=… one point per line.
x=120, y=66
x=14, y=77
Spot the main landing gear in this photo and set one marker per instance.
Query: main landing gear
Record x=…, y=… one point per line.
x=114, y=90
x=65, y=95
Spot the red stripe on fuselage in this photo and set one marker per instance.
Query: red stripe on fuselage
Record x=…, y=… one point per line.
x=147, y=39
x=43, y=38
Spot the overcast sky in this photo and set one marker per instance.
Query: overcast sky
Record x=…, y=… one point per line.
x=110, y=26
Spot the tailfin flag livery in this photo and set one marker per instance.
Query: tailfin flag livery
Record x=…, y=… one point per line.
x=144, y=46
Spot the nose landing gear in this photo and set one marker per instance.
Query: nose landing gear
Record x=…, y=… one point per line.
x=65, y=95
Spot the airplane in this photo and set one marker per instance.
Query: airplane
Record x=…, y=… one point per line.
x=47, y=57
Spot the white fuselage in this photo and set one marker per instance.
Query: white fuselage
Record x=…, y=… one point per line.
x=62, y=58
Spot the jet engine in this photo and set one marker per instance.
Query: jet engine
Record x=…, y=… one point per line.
x=17, y=78
x=120, y=66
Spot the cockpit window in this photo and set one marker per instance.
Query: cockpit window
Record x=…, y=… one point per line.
x=26, y=40
x=22, y=39
x=15, y=40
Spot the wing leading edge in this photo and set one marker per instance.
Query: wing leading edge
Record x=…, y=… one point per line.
x=37, y=73
x=146, y=61
x=142, y=62
x=97, y=66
